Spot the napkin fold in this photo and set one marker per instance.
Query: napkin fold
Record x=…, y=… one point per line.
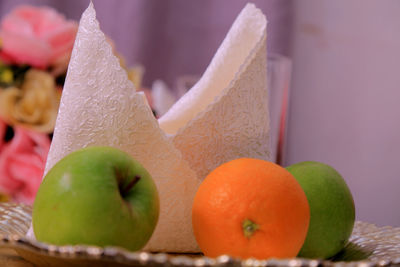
x=224, y=116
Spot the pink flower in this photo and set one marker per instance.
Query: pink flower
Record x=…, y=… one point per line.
x=22, y=163
x=38, y=36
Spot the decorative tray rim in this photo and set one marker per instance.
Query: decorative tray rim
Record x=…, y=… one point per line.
x=20, y=243
x=121, y=255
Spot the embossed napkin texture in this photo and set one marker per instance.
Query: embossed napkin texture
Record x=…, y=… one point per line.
x=224, y=116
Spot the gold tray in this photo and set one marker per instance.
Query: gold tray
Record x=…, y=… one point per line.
x=369, y=246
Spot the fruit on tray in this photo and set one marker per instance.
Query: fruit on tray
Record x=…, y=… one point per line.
x=250, y=208
x=331, y=208
x=97, y=196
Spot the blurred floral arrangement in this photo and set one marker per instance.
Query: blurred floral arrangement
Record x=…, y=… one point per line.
x=35, y=48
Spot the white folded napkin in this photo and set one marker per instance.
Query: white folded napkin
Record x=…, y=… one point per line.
x=224, y=116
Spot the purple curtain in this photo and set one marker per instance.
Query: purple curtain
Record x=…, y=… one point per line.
x=172, y=37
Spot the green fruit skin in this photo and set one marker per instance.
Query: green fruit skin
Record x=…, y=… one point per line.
x=79, y=201
x=332, y=211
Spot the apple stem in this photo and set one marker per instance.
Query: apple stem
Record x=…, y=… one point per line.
x=249, y=228
x=130, y=185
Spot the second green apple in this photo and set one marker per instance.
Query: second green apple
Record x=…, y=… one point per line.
x=332, y=211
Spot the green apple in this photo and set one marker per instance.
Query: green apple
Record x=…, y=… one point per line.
x=97, y=196
x=332, y=211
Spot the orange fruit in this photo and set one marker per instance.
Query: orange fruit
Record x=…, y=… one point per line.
x=250, y=208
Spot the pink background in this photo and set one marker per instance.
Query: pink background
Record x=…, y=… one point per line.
x=345, y=98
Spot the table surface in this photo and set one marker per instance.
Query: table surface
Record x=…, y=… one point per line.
x=10, y=258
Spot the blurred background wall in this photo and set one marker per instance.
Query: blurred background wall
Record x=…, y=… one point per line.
x=343, y=107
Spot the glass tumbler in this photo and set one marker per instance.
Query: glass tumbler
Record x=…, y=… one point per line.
x=278, y=79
